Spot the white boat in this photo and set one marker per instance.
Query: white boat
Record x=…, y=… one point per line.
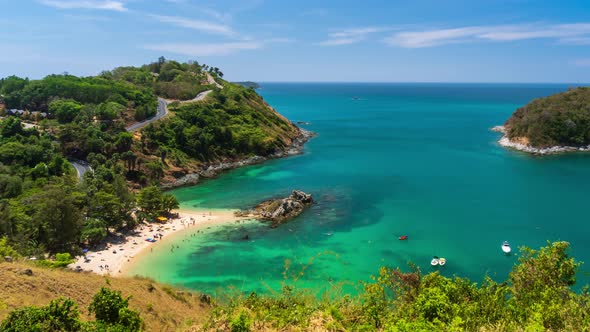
x=435, y=261
x=506, y=247
x=442, y=261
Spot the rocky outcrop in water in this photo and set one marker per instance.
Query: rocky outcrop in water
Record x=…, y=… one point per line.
x=279, y=211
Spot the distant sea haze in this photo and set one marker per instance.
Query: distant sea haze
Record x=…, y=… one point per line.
x=389, y=160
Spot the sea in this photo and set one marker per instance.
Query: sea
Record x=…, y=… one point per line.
x=388, y=160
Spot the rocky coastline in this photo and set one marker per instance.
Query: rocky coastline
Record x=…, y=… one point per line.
x=214, y=169
x=280, y=210
x=521, y=146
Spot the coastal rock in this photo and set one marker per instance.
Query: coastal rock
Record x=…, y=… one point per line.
x=278, y=211
x=499, y=129
x=214, y=169
x=521, y=145
x=185, y=180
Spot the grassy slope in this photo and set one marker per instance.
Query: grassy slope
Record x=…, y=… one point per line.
x=560, y=119
x=162, y=309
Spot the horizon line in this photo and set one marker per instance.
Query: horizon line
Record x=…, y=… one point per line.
x=412, y=82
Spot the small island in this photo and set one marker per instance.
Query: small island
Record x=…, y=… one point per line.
x=555, y=124
x=280, y=210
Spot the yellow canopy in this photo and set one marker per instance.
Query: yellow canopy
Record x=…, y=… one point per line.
x=162, y=219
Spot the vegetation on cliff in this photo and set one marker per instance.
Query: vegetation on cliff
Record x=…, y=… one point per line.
x=562, y=119
x=44, y=208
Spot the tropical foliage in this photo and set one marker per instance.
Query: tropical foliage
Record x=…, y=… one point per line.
x=536, y=297
x=44, y=208
x=109, y=307
x=560, y=119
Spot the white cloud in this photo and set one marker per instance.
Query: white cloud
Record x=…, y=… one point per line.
x=577, y=33
x=86, y=4
x=350, y=36
x=213, y=49
x=209, y=27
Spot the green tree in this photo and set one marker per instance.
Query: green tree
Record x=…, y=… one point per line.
x=108, y=208
x=124, y=141
x=93, y=231
x=10, y=186
x=111, y=308
x=169, y=202
x=65, y=110
x=58, y=315
x=10, y=127
x=57, y=219
x=150, y=200
x=6, y=249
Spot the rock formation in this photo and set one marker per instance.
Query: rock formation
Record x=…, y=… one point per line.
x=278, y=211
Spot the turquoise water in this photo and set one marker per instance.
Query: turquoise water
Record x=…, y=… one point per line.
x=398, y=159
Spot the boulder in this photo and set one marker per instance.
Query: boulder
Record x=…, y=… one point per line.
x=8, y=259
x=27, y=272
x=205, y=299
x=278, y=211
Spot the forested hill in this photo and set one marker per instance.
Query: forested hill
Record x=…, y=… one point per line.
x=45, y=208
x=88, y=117
x=562, y=119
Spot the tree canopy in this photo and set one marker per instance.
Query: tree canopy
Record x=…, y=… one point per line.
x=560, y=119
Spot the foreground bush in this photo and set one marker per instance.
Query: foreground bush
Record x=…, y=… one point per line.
x=536, y=297
x=111, y=313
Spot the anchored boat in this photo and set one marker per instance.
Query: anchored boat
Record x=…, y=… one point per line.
x=442, y=261
x=435, y=261
x=506, y=247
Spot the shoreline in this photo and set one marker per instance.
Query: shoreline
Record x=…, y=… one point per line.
x=213, y=170
x=120, y=251
x=507, y=143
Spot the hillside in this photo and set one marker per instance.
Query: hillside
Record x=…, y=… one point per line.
x=536, y=296
x=161, y=307
x=45, y=209
x=562, y=119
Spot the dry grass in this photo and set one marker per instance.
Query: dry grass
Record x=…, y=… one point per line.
x=162, y=308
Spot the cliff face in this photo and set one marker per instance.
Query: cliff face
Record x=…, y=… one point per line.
x=562, y=119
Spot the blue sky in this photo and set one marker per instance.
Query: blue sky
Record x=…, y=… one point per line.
x=329, y=40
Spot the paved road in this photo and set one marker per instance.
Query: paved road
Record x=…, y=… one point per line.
x=162, y=112
x=199, y=97
x=81, y=168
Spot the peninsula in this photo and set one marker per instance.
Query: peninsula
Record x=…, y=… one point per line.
x=95, y=152
x=554, y=124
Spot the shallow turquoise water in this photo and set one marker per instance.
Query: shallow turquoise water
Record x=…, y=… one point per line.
x=414, y=159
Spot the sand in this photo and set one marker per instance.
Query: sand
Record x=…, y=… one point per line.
x=118, y=251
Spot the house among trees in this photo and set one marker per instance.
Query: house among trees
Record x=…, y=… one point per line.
x=14, y=111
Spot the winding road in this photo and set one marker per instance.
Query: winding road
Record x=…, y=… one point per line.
x=199, y=97
x=162, y=112
x=81, y=168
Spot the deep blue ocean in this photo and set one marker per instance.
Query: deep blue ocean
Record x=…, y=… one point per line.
x=388, y=160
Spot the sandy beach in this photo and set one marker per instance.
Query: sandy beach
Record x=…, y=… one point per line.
x=119, y=250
